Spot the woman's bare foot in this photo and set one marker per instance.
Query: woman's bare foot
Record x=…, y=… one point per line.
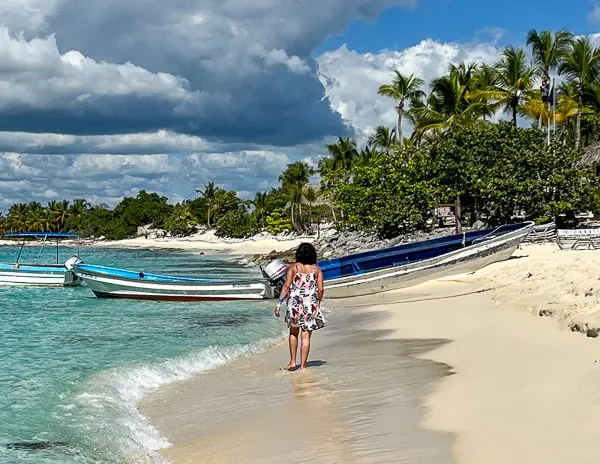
x=290, y=367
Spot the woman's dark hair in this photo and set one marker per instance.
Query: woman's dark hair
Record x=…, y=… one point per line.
x=306, y=254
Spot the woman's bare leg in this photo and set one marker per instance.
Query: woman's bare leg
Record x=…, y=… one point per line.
x=293, y=347
x=306, y=334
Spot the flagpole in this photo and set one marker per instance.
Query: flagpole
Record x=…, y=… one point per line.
x=554, y=103
x=548, y=123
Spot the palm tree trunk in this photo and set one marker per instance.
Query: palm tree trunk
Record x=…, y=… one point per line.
x=333, y=213
x=578, y=128
x=399, y=137
x=514, y=114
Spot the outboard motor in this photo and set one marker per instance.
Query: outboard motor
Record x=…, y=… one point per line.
x=72, y=261
x=275, y=272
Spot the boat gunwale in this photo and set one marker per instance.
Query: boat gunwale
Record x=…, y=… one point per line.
x=41, y=267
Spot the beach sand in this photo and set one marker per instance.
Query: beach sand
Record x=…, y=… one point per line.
x=245, y=247
x=524, y=389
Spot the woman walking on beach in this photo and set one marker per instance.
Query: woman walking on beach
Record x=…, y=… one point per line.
x=305, y=286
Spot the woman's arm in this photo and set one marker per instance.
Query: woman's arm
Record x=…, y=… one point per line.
x=287, y=284
x=320, y=285
x=285, y=289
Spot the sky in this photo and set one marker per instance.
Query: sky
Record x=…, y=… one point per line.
x=101, y=99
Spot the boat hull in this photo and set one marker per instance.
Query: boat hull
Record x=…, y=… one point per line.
x=38, y=276
x=466, y=260
x=106, y=286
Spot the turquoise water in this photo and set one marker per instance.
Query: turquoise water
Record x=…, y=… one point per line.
x=73, y=367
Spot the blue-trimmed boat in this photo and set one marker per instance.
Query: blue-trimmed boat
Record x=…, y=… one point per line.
x=107, y=282
x=350, y=276
x=38, y=274
x=407, y=265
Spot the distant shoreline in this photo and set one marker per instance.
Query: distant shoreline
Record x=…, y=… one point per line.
x=252, y=246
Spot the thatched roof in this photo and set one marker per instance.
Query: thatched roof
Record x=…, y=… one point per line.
x=321, y=200
x=591, y=155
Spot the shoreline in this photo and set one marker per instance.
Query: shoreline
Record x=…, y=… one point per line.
x=258, y=246
x=523, y=388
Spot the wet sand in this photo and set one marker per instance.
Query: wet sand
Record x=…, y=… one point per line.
x=379, y=389
x=360, y=401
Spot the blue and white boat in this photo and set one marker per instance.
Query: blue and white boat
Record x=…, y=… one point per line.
x=355, y=275
x=39, y=274
x=411, y=264
x=107, y=282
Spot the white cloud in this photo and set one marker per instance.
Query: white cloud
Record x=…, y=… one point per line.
x=594, y=15
x=107, y=178
x=27, y=15
x=351, y=79
x=89, y=166
x=33, y=73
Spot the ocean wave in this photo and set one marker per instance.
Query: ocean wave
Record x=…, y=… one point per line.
x=240, y=260
x=108, y=407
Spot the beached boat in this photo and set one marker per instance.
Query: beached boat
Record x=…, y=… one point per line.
x=354, y=275
x=45, y=275
x=411, y=264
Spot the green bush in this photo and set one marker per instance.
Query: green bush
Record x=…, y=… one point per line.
x=180, y=221
x=234, y=224
x=278, y=221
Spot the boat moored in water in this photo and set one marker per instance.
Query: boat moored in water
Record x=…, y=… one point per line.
x=38, y=274
x=107, y=282
x=354, y=275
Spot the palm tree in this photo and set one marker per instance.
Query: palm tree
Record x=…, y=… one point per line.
x=296, y=175
x=296, y=196
x=401, y=89
x=548, y=50
x=261, y=203
x=46, y=221
x=367, y=155
x=383, y=138
x=311, y=195
x=344, y=153
x=61, y=212
x=449, y=103
x=514, y=81
x=209, y=194
x=326, y=170
x=293, y=180
x=17, y=217
x=581, y=67
x=484, y=79
x=79, y=206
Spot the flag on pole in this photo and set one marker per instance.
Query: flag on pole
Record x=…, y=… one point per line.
x=552, y=100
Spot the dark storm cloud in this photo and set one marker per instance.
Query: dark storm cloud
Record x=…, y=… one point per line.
x=231, y=70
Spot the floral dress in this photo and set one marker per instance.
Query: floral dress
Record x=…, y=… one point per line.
x=303, y=309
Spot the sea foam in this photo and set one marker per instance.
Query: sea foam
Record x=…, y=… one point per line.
x=108, y=406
